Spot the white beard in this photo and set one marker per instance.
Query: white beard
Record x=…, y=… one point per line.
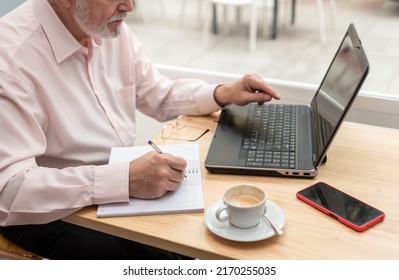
x=81, y=15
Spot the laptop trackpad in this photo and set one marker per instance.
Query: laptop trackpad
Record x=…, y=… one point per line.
x=225, y=147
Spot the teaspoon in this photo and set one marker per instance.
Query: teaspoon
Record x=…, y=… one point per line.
x=275, y=227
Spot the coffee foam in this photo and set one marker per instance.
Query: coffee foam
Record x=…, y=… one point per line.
x=244, y=200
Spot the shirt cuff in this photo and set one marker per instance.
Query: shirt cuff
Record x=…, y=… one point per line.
x=206, y=101
x=111, y=183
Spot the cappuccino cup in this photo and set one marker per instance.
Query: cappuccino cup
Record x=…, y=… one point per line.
x=243, y=207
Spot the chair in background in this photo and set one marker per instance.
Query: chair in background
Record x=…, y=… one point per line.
x=322, y=21
x=253, y=5
x=320, y=12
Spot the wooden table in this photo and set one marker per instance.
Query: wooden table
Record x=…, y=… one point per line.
x=362, y=161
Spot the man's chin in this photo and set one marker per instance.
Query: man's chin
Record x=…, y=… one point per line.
x=113, y=31
x=108, y=35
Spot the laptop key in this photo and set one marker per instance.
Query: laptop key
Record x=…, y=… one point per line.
x=272, y=165
x=273, y=147
x=285, y=147
x=254, y=164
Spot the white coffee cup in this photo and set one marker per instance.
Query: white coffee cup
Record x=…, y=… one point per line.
x=244, y=206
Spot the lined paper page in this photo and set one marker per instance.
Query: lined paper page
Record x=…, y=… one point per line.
x=188, y=198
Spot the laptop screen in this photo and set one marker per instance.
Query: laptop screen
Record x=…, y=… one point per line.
x=337, y=91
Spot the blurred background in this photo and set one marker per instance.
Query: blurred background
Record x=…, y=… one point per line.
x=172, y=36
x=172, y=33
x=201, y=35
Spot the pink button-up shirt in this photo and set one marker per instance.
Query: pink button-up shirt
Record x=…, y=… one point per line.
x=63, y=106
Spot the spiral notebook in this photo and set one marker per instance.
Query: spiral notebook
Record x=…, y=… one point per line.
x=187, y=199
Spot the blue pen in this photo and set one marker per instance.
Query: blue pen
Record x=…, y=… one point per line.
x=158, y=150
x=155, y=147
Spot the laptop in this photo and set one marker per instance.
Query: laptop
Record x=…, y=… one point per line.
x=287, y=139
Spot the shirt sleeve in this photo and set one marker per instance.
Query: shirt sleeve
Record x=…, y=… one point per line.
x=163, y=98
x=31, y=194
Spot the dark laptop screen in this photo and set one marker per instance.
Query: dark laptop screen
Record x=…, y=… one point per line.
x=337, y=91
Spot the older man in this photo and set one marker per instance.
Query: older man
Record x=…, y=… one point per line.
x=71, y=78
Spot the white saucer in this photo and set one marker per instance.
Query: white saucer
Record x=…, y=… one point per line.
x=262, y=231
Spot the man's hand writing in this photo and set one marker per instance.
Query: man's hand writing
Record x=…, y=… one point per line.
x=153, y=175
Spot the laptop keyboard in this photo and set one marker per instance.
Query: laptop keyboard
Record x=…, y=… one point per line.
x=327, y=129
x=269, y=139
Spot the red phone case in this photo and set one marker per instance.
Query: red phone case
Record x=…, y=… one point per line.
x=360, y=228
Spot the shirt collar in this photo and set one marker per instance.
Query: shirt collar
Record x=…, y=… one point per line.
x=61, y=40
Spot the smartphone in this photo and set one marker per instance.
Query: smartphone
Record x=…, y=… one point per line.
x=341, y=206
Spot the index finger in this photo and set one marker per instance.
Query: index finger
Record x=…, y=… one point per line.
x=177, y=163
x=258, y=85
